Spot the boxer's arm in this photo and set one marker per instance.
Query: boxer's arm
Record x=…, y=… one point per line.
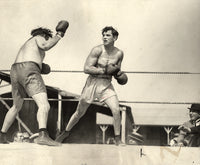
x=47, y=44
x=91, y=61
x=121, y=56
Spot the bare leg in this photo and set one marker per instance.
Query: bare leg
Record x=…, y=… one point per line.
x=113, y=104
x=43, y=108
x=42, y=116
x=80, y=111
x=10, y=116
x=9, y=119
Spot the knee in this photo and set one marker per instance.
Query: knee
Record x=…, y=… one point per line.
x=82, y=102
x=81, y=108
x=17, y=106
x=44, y=108
x=15, y=109
x=115, y=112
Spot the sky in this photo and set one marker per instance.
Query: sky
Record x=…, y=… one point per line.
x=157, y=36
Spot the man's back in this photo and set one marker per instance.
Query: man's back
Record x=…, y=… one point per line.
x=30, y=52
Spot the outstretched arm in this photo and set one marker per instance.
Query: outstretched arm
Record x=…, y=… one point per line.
x=47, y=44
x=91, y=61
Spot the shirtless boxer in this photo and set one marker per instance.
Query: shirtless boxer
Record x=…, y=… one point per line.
x=103, y=62
x=26, y=79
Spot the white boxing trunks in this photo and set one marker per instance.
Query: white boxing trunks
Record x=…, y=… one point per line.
x=97, y=87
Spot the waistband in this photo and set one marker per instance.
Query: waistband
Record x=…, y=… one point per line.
x=103, y=76
x=27, y=62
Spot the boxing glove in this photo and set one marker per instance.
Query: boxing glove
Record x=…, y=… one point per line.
x=121, y=78
x=112, y=69
x=45, y=69
x=62, y=27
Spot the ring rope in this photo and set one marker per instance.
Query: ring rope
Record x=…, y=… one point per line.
x=141, y=102
x=132, y=72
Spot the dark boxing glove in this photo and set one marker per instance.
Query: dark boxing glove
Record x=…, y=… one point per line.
x=121, y=78
x=112, y=69
x=62, y=27
x=45, y=69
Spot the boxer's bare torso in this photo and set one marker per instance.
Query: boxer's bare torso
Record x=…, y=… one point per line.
x=109, y=57
x=34, y=49
x=103, y=55
x=100, y=57
x=30, y=52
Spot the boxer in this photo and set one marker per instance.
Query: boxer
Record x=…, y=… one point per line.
x=26, y=79
x=103, y=62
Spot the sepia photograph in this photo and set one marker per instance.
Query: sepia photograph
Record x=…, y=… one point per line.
x=100, y=82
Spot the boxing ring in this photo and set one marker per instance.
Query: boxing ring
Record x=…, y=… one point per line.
x=60, y=100
x=101, y=154
x=103, y=126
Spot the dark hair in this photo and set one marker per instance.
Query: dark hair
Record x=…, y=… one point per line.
x=114, y=32
x=41, y=31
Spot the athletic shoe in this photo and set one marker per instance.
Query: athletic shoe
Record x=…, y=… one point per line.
x=64, y=134
x=3, y=138
x=44, y=139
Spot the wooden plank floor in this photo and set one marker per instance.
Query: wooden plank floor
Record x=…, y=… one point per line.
x=93, y=154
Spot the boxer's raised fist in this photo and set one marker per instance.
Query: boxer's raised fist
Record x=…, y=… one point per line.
x=62, y=27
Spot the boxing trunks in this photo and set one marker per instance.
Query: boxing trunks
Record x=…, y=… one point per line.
x=26, y=79
x=97, y=87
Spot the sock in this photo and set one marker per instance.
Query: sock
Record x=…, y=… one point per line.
x=117, y=137
x=42, y=129
x=3, y=133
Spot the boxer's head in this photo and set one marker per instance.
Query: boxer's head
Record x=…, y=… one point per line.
x=109, y=34
x=42, y=32
x=114, y=32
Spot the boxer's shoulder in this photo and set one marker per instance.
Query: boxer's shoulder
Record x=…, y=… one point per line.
x=119, y=53
x=97, y=50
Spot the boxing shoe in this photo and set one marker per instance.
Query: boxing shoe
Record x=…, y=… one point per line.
x=64, y=134
x=44, y=139
x=3, y=138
